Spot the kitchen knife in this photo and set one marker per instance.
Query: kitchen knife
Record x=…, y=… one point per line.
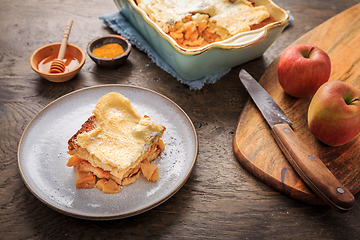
x=309, y=167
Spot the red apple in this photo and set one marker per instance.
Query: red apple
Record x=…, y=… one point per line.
x=334, y=113
x=303, y=69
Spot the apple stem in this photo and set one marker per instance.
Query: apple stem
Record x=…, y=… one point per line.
x=312, y=48
x=353, y=100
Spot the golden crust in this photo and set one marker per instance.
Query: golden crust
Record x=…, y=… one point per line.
x=86, y=127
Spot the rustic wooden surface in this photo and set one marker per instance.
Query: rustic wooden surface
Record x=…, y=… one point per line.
x=265, y=160
x=221, y=199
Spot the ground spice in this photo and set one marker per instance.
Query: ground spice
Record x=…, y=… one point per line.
x=109, y=50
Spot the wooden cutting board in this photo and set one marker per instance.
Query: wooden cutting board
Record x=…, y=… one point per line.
x=256, y=149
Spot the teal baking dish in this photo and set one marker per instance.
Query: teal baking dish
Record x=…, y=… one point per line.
x=193, y=64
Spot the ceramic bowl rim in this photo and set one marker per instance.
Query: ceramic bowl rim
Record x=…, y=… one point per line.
x=77, y=68
x=124, y=54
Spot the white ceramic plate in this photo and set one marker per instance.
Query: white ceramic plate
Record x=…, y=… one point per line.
x=42, y=155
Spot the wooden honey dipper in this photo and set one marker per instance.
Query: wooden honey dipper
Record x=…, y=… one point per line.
x=58, y=65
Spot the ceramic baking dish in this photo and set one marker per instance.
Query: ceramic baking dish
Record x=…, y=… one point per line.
x=193, y=64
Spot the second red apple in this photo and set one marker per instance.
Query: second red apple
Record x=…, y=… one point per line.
x=303, y=69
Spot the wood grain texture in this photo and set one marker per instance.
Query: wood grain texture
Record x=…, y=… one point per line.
x=220, y=200
x=339, y=37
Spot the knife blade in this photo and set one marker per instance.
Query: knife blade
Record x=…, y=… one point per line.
x=308, y=166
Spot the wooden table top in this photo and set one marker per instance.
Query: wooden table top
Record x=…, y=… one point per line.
x=220, y=200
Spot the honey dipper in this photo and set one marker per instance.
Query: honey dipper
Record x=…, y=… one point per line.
x=58, y=65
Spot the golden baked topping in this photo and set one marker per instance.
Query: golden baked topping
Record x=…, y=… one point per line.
x=120, y=135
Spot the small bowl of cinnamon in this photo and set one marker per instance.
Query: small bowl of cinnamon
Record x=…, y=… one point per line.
x=109, y=51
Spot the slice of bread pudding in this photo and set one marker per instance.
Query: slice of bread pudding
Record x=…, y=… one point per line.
x=114, y=145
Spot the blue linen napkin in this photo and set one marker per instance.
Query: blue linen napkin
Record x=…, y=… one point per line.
x=122, y=26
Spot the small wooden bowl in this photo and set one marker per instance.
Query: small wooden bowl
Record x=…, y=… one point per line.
x=109, y=62
x=53, y=49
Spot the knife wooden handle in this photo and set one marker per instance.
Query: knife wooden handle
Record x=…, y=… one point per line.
x=312, y=170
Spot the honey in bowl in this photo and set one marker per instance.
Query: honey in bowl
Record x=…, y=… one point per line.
x=70, y=61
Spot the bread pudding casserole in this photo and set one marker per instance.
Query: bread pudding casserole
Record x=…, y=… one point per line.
x=196, y=23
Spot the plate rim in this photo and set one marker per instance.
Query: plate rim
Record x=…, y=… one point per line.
x=113, y=216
